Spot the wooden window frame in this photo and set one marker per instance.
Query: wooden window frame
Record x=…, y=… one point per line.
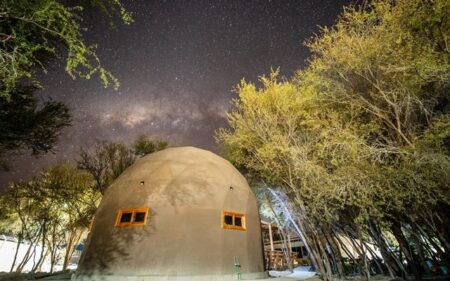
x=233, y=226
x=133, y=212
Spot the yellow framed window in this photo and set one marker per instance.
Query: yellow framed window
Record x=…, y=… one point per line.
x=132, y=217
x=232, y=220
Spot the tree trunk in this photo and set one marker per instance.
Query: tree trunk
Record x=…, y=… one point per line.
x=74, y=239
x=345, y=248
x=391, y=263
x=336, y=253
x=444, y=256
x=41, y=261
x=439, y=230
x=362, y=258
x=27, y=255
x=374, y=258
x=320, y=268
x=324, y=258
x=44, y=234
x=404, y=248
x=19, y=241
x=420, y=251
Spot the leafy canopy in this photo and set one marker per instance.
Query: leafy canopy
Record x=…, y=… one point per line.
x=26, y=125
x=32, y=32
x=362, y=132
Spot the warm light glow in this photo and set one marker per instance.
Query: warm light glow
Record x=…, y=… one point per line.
x=232, y=220
x=132, y=217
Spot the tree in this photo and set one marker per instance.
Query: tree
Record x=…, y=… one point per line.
x=53, y=210
x=16, y=218
x=31, y=34
x=75, y=200
x=358, y=140
x=144, y=145
x=25, y=125
x=275, y=132
x=107, y=160
x=387, y=69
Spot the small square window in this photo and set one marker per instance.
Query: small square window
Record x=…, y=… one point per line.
x=126, y=217
x=228, y=220
x=132, y=217
x=139, y=216
x=238, y=221
x=231, y=220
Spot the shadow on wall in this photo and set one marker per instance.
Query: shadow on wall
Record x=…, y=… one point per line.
x=109, y=246
x=176, y=189
x=184, y=190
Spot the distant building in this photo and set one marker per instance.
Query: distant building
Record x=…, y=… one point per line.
x=275, y=248
x=178, y=214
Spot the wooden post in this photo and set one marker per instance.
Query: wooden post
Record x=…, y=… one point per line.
x=291, y=257
x=289, y=243
x=270, y=237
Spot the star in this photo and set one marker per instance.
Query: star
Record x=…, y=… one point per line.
x=177, y=65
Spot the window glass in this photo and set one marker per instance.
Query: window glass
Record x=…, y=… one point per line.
x=132, y=217
x=139, y=217
x=126, y=217
x=232, y=220
x=238, y=221
x=228, y=220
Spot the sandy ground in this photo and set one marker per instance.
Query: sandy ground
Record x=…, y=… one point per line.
x=276, y=276
x=300, y=273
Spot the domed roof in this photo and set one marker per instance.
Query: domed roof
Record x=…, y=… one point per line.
x=197, y=216
x=181, y=176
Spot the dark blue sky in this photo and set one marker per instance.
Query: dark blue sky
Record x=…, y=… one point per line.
x=177, y=65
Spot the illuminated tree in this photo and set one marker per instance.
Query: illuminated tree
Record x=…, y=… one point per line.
x=358, y=140
x=52, y=210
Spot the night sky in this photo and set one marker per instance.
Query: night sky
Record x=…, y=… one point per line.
x=177, y=65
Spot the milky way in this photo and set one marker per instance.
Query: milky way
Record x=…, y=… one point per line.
x=177, y=64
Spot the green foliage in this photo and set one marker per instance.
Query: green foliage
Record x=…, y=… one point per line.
x=62, y=193
x=32, y=32
x=107, y=160
x=54, y=208
x=70, y=192
x=111, y=8
x=144, y=145
x=361, y=136
x=368, y=105
x=280, y=136
x=389, y=66
x=26, y=125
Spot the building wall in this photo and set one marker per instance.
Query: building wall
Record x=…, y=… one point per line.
x=186, y=190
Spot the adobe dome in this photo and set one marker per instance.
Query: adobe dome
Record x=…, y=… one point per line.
x=180, y=214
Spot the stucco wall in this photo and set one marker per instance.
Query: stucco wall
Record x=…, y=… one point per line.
x=186, y=190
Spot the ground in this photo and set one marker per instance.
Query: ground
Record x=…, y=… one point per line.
x=284, y=276
x=66, y=276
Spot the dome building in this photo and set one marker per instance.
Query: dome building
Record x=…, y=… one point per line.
x=179, y=214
